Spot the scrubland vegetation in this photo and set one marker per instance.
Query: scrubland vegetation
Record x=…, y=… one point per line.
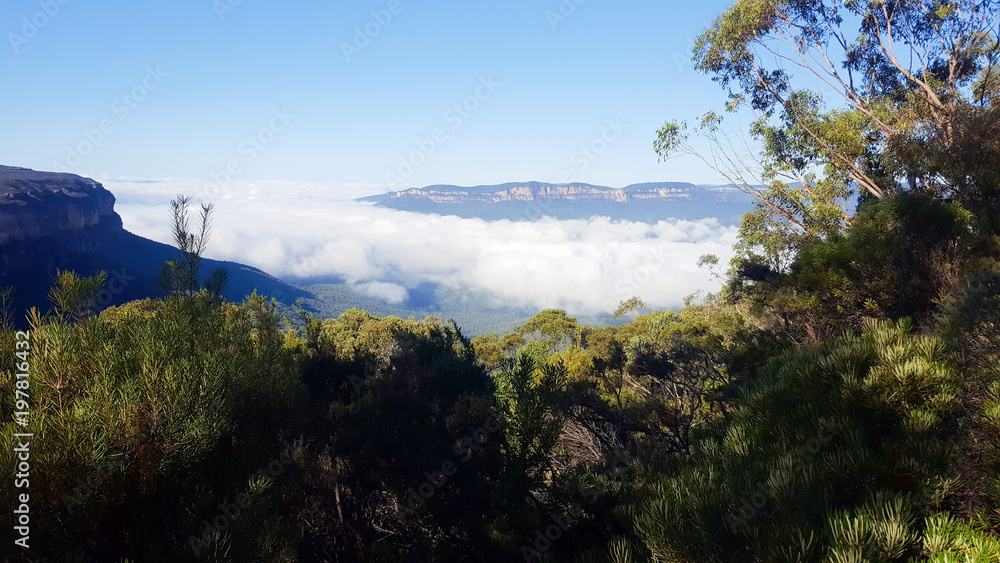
x=838, y=400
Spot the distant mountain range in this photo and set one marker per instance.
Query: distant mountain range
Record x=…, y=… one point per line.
x=527, y=201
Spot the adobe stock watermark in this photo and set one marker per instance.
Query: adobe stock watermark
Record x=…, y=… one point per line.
x=447, y=293
x=248, y=150
x=563, y=12
x=367, y=33
x=750, y=506
x=581, y=159
x=684, y=60
x=327, y=248
x=122, y=107
x=629, y=284
x=454, y=117
x=276, y=294
x=437, y=478
x=117, y=282
x=48, y=10
x=588, y=153
x=223, y=7
x=546, y=536
x=360, y=384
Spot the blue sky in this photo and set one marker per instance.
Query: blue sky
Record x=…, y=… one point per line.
x=201, y=78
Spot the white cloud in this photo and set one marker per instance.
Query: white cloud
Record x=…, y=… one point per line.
x=313, y=230
x=390, y=292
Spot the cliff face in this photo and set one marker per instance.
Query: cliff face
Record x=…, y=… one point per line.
x=45, y=204
x=526, y=201
x=517, y=193
x=535, y=191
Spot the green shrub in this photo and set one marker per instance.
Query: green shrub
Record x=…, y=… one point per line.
x=858, y=425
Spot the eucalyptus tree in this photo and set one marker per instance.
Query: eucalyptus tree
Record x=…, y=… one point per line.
x=849, y=97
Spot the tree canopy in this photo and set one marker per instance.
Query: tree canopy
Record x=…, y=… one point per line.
x=850, y=97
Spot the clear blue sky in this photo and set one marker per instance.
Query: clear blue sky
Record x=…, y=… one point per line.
x=560, y=83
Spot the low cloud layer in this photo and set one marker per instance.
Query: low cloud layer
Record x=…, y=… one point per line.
x=302, y=231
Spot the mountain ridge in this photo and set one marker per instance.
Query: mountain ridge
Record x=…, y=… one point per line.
x=644, y=202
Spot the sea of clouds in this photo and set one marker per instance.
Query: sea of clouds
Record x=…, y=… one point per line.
x=313, y=232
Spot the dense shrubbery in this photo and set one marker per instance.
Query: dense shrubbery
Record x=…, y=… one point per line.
x=861, y=422
x=190, y=428
x=838, y=401
x=146, y=417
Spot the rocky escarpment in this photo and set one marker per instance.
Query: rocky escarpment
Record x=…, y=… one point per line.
x=527, y=201
x=45, y=204
x=526, y=192
x=534, y=191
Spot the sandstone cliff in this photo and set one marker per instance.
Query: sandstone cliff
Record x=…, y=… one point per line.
x=534, y=191
x=38, y=204
x=527, y=201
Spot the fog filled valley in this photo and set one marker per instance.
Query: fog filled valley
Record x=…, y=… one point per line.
x=446, y=309
x=407, y=262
